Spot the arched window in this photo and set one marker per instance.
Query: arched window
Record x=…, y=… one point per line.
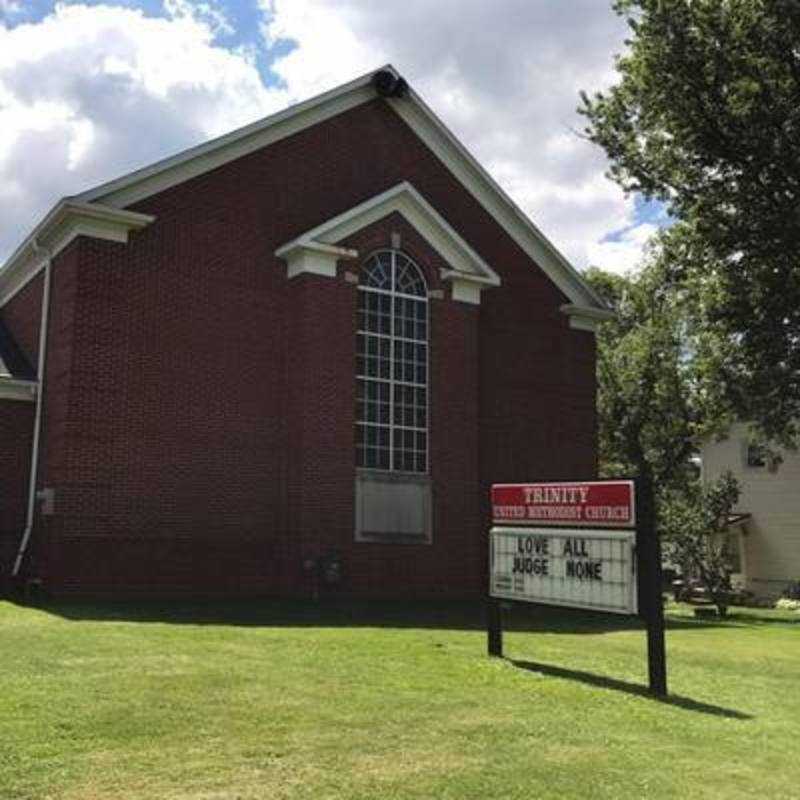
x=392, y=365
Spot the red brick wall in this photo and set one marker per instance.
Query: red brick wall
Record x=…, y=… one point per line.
x=320, y=408
x=537, y=388
x=16, y=431
x=201, y=438
x=168, y=456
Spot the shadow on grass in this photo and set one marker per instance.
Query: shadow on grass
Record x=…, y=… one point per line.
x=605, y=682
x=340, y=612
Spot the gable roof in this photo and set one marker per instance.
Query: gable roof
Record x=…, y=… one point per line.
x=143, y=183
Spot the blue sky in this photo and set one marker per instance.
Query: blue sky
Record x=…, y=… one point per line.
x=243, y=18
x=90, y=89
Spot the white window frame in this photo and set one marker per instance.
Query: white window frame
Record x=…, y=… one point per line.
x=392, y=337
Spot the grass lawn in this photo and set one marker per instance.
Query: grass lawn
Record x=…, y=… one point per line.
x=279, y=700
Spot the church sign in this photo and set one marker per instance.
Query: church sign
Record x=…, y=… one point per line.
x=595, y=504
x=576, y=544
x=575, y=567
x=567, y=544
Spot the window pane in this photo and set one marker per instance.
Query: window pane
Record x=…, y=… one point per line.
x=377, y=272
x=408, y=278
x=392, y=365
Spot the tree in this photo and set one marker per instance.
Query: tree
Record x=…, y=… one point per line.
x=654, y=410
x=705, y=117
x=646, y=425
x=694, y=524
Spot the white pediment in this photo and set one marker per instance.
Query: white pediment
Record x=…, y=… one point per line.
x=317, y=250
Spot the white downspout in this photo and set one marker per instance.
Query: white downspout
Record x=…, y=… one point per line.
x=37, y=424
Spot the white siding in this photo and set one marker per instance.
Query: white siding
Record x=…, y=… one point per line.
x=771, y=552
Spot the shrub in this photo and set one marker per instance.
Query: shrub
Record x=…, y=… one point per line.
x=694, y=524
x=792, y=591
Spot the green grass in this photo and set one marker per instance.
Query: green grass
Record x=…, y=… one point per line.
x=279, y=700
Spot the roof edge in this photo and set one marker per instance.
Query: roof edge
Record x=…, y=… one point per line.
x=518, y=225
x=68, y=219
x=118, y=192
x=586, y=318
x=149, y=180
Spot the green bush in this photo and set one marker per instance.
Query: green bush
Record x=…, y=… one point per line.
x=792, y=591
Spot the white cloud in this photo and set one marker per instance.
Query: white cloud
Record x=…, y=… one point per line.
x=622, y=253
x=88, y=93
x=329, y=50
x=504, y=77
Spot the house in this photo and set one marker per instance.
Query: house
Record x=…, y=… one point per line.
x=765, y=533
x=300, y=352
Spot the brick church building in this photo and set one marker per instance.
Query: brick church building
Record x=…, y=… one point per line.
x=290, y=359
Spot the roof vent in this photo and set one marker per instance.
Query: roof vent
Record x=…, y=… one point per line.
x=387, y=84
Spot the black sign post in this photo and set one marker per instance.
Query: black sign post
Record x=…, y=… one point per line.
x=494, y=628
x=651, y=605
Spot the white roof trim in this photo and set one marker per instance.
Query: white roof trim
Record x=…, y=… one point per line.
x=197, y=160
x=17, y=389
x=494, y=200
x=403, y=198
x=68, y=219
x=318, y=247
x=452, y=274
x=585, y=318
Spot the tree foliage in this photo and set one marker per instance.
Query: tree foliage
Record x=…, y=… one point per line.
x=694, y=524
x=645, y=426
x=705, y=117
x=647, y=422
x=654, y=411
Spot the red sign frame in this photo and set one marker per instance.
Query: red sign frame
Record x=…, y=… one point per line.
x=588, y=504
